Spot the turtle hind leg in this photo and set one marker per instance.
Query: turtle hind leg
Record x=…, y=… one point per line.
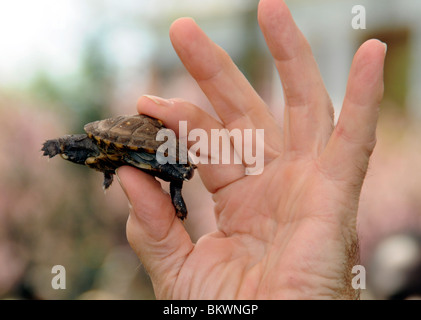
x=108, y=179
x=177, y=199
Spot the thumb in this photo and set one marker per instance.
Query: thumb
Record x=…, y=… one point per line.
x=154, y=232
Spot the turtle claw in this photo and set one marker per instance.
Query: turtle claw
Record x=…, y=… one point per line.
x=108, y=180
x=51, y=148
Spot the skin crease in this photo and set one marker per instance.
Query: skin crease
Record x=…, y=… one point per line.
x=290, y=232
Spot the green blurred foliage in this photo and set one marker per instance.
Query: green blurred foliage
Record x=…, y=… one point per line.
x=85, y=94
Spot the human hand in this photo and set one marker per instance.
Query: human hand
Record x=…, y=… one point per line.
x=289, y=232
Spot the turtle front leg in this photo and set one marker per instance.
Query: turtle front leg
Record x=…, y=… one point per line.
x=177, y=199
x=101, y=163
x=51, y=148
x=108, y=179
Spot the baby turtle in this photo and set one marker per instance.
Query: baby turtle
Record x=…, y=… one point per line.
x=125, y=140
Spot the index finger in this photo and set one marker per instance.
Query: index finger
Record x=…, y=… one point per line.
x=233, y=98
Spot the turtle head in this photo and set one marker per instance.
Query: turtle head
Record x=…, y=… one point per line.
x=75, y=148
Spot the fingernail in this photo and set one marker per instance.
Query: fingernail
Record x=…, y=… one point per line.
x=124, y=190
x=385, y=47
x=159, y=101
x=121, y=184
x=118, y=178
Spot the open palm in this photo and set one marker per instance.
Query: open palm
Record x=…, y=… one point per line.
x=289, y=232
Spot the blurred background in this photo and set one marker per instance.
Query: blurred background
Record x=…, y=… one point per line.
x=65, y=63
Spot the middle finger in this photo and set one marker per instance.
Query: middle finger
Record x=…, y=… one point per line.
x=308, y=109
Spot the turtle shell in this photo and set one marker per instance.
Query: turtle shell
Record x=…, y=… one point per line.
x=127, y=140
x=136, y=132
